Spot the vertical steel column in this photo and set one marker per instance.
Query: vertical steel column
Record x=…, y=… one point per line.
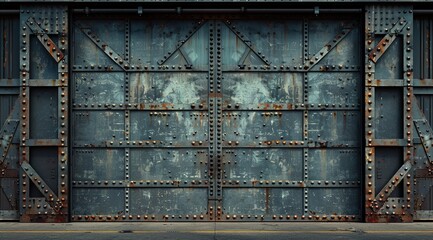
x=305, y=112
x=388, y=53
x=127, y=115
x=218, y=116
x=44, y=135
x=213, y=201
x=369, y=116
x=407, y=209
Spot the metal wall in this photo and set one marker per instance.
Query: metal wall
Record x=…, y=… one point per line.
x=235, y=115
x=9, y=73
x=216, y=118
x=424, y=94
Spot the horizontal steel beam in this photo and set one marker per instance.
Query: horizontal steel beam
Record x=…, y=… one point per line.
x=180, y=10
x=9, y=11
x=423, y=11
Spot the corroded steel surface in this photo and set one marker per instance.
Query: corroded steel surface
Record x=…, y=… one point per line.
x=216, y=114
x=216, y=118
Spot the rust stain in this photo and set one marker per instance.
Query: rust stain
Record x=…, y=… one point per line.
x=215, y=95
x=264, y=106
x=279, y=106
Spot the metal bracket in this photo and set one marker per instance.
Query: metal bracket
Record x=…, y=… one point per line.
x=46, y=191
x=104, y=47
x=191, y=32
x=386, y=41
x=45, y=40
x=315, y=59
x=247, y=43
x=386, y=191
x=7, y=134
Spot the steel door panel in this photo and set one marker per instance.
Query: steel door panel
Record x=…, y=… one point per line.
x=173, y=128
x=345, y=56
x=334, y=89
x=284, y=201
x=99, y=88
x=159, y=39
x=168, y=164
x=98, y=201
x=97, y=163
x=248, y=128
x=341, y=127
x=250, y=90
x=44, y=112
x=174, y=89
x=92, y=126
x=87, y=53
x=178, y=201
x=388, y=114
x=323, y=30
x=262, y=202
x=323, y=201
x=279, y=40
x=335, y=165
x=244, y=201
x=254, y=165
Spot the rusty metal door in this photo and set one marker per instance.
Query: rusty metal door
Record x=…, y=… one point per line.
x=219, y=118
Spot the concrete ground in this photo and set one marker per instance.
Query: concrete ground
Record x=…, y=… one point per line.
x=216, y=231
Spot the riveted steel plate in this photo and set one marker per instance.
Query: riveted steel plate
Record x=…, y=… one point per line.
x=223, y=119
x=9, y=122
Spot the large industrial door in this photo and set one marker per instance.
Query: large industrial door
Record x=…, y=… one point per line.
x=216, y=118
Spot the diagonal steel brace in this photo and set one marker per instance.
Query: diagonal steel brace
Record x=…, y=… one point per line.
x=104, y=47
x=248, y=43
x=387, y=41
x=45, y=40
x=386, y=191
x=7, y=134
x=42, y=186
x=315, y=59
x=191, y=32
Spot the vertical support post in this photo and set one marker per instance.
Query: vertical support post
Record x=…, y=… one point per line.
x=25, y=202
x=44, y=114
x=388, y=76
x=219, y=116
x=127, y=113
x=408, y=182
x=305, y=114
x=213, y=202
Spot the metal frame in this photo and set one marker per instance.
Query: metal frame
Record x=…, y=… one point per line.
x=53, y=206
x=379, y=206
